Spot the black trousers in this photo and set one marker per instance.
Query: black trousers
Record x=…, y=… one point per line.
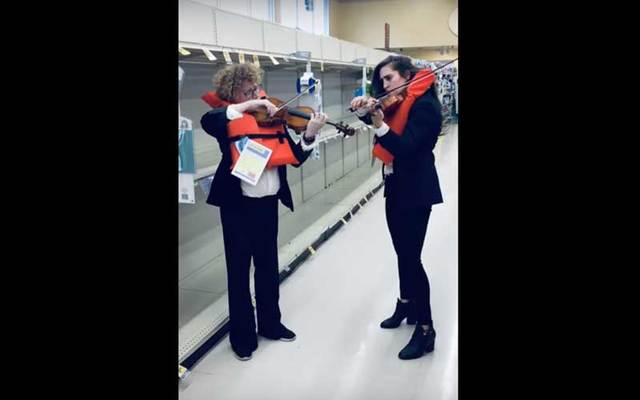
x=250, y=229
x=408, y=227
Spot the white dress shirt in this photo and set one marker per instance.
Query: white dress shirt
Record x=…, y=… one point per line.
x=384, y=128
x=269, y=182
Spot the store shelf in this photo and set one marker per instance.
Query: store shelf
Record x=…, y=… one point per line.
x=202, y=26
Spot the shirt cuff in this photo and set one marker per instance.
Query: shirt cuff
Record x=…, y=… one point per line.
x=233, y=114
x=382, y=130
x=307, y=147
x=388, y=169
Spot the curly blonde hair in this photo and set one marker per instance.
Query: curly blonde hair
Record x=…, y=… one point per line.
x=232, y=76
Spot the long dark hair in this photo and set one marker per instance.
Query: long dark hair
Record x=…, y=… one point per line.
x=404, y=66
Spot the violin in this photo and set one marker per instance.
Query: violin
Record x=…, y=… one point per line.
x=295, y=118
x=387, y=103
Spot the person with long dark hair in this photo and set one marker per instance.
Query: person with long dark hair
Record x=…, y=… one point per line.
x=406, y=132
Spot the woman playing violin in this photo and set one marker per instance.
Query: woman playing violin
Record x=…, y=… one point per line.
x=406, y=121
x=248, y=213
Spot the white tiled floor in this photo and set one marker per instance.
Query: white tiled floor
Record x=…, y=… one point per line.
x=335, y=301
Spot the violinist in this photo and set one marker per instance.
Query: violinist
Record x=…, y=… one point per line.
x=248, y=213
x=406, y=119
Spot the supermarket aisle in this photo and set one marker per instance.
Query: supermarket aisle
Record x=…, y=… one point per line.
x=335, y=302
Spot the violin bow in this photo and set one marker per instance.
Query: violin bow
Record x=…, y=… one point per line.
x=296, y=97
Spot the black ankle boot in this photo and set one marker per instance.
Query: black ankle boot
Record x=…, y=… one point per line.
x=403, y=310
x=422, y=341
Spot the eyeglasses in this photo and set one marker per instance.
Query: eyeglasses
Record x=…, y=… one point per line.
x=250, y=92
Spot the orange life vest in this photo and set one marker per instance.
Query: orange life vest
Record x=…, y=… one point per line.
x=398, y=119
x=275, y=138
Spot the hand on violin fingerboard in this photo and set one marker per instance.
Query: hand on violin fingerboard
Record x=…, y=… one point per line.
x=316, y=123
x=362, y=104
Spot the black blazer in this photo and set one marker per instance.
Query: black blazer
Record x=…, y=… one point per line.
x=225, y=188
x=414, y=180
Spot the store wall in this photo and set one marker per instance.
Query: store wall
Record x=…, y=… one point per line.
x=431, y=55
x=291, y=13
x=413, y=23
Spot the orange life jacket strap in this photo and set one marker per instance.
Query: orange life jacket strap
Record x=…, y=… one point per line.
x=280, y=136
